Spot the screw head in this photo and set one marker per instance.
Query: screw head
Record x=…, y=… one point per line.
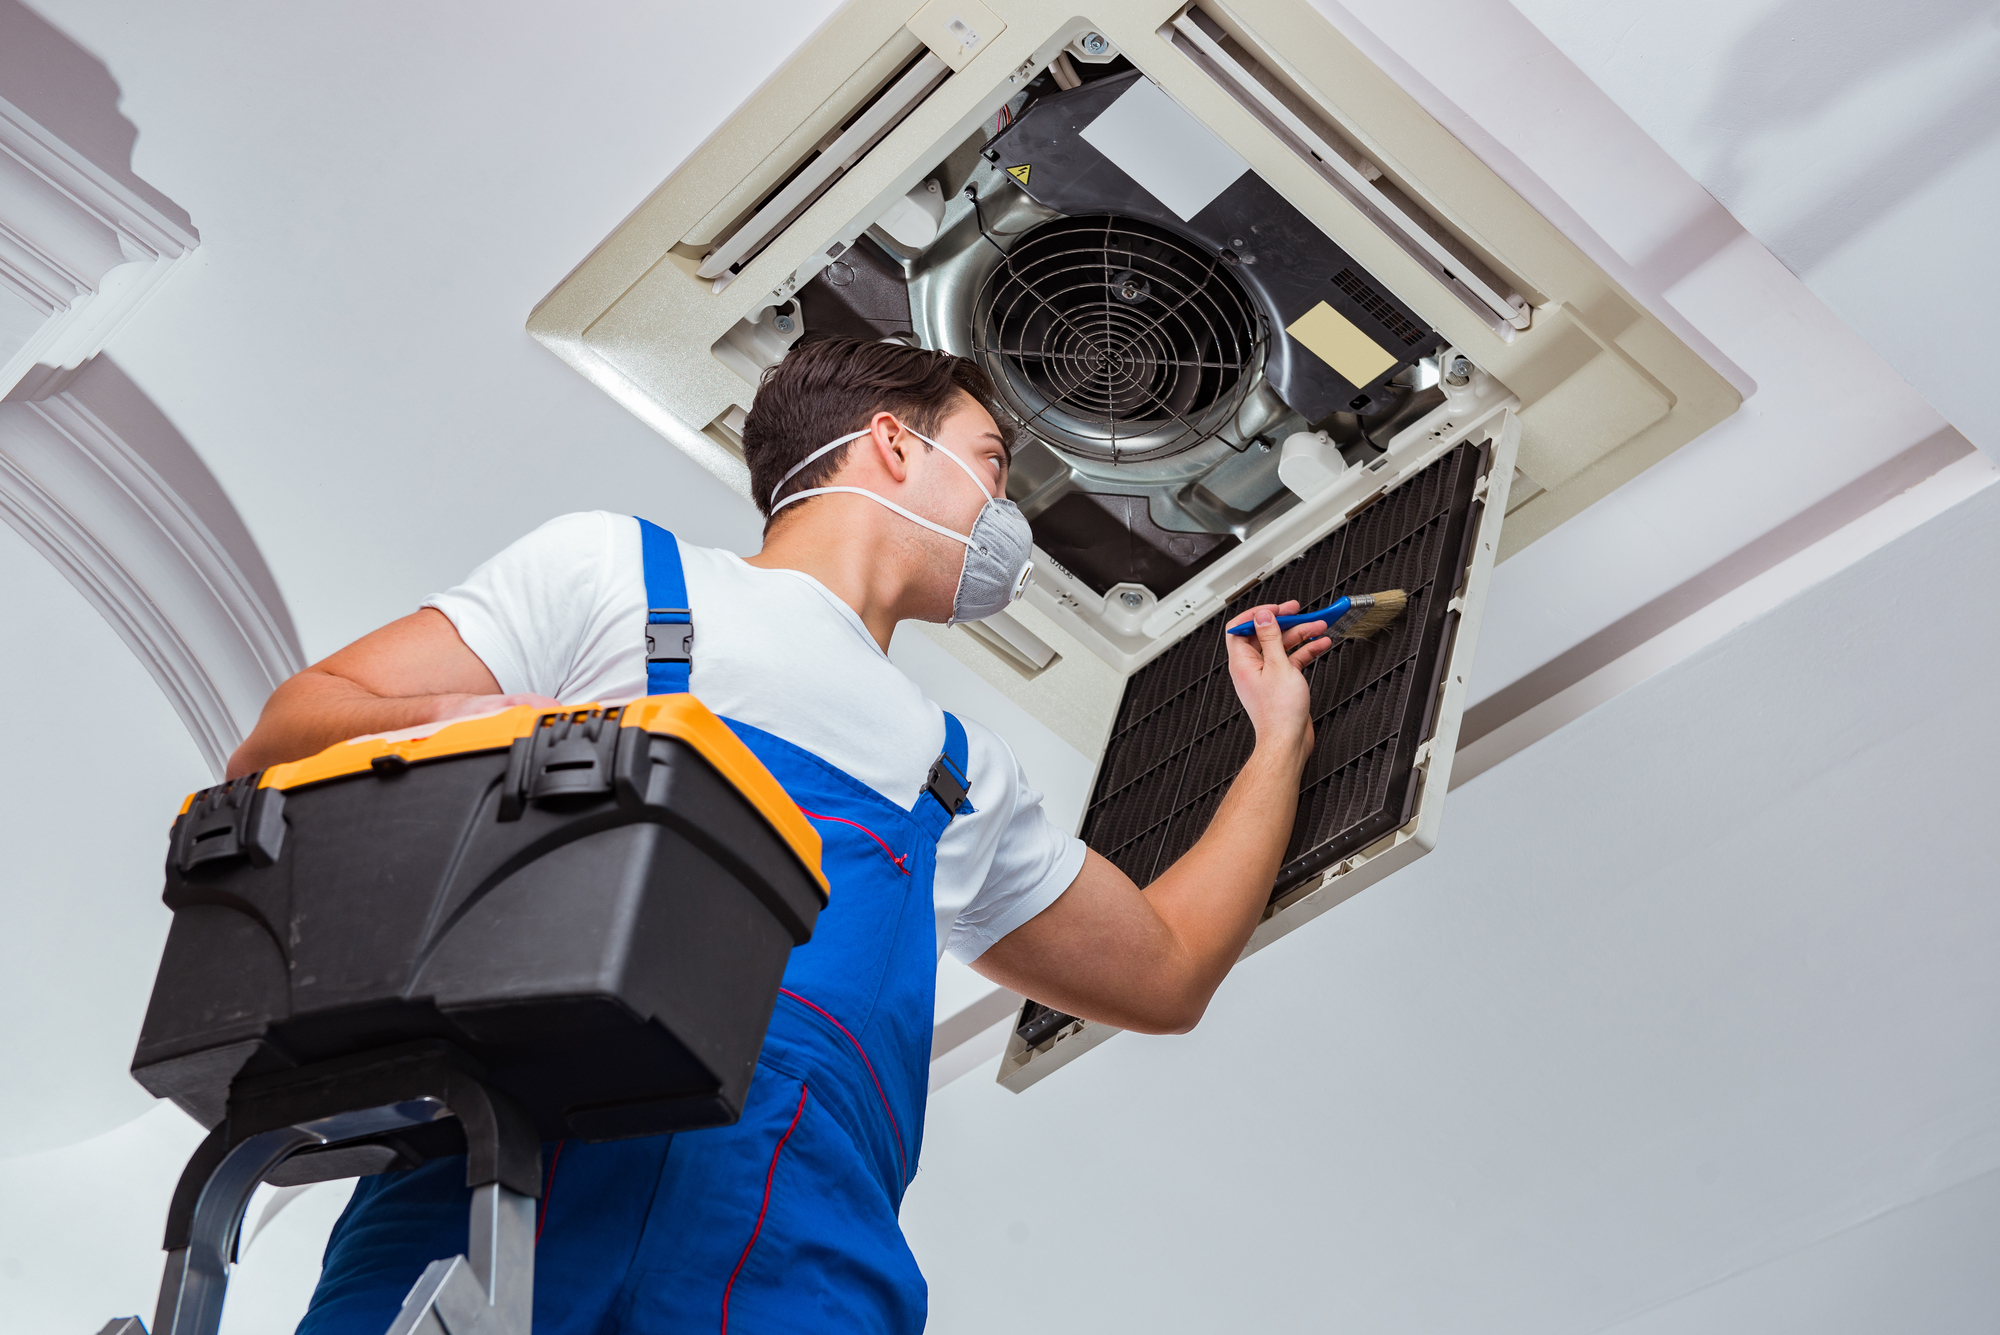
x=1459, y=372
x=1129, y=286
x=784, y=324
x=1131, y=597
x=1094, y=44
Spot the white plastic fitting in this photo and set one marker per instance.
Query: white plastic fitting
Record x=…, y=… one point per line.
x=1309, y=462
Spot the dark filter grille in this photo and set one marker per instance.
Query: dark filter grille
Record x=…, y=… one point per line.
x=1181, y=734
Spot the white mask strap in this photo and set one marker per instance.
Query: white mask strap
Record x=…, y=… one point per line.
x=833, y=445
x=827, y=448
x=879, y=500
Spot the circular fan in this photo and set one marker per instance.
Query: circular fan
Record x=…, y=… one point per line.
x=1115, y=340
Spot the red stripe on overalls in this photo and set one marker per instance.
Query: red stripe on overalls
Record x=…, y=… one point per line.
x=548, y=1190
x=814, y=815
x=770, y=1175
x=879, y=1092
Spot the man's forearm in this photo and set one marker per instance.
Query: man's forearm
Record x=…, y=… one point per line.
x=1212, y=898
x=313, y=710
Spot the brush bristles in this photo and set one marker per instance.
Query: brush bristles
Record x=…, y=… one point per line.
x=1368, y=613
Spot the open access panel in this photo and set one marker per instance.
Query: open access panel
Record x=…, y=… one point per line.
x=1386, y=710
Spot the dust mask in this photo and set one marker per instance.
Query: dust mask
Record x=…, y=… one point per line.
x=998, y=554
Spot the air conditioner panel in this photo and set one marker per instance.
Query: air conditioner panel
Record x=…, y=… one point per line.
x=634, y=319
x=1386, y=712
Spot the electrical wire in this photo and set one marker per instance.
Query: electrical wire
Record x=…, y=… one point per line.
x=979, y=216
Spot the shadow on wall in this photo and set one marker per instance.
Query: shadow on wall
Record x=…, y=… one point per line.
x=97, y=479
x=71, y=94
x=1801, y=61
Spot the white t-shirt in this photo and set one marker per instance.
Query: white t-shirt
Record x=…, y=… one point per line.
x=562, y=613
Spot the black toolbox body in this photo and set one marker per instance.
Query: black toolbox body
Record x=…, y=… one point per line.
x=595, y=905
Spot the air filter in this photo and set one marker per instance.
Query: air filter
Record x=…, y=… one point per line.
x=1181, y=734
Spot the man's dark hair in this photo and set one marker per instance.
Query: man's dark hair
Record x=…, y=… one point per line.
x=828, y=387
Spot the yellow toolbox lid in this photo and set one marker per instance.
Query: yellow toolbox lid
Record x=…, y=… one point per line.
x=679, y=716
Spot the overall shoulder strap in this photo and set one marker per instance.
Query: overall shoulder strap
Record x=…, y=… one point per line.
x=948, y=782
x=669, y=623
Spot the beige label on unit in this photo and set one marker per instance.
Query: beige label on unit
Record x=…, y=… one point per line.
x=1339, y=342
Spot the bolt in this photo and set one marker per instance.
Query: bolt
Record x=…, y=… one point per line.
x=1459, y=372
x=1131, y=597
x=784, y=323
x=1093, y=44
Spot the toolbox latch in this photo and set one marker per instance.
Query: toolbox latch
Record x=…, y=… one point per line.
x=669, y=635
x=567, y=756
x=231, y=820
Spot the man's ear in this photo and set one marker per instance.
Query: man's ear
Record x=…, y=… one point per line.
x=891, y=445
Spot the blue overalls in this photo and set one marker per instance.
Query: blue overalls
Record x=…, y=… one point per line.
x=785, y=1221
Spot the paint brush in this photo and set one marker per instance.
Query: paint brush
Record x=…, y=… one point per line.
x=1354, y=618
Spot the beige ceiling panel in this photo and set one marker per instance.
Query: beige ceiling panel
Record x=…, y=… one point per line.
x=1591, y=413
x=956, y=30
x=635, y=319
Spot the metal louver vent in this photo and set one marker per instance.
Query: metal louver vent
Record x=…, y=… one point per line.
x=1376, y=305
x=1114, y=340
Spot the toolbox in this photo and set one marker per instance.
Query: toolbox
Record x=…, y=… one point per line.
x=591, y=909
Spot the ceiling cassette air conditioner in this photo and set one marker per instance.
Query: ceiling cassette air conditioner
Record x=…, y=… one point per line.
x=1266, y=331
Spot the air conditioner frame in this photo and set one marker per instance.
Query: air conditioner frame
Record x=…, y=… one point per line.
x=1606, y=388
x=1591, y=391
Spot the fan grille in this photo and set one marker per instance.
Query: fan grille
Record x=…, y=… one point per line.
x=1115, y=340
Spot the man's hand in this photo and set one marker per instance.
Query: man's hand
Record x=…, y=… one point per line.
x=1266, y=668
x=410, y=672
x=1150, y=960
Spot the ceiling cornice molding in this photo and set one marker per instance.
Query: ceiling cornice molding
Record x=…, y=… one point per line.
x=99, y=483
x=78, y=248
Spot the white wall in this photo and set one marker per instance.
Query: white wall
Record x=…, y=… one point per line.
x=1699, y=982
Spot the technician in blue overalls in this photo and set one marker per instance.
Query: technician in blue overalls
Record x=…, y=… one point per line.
x=882, y=472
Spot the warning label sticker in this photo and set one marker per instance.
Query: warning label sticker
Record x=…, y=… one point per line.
x=1019, y=173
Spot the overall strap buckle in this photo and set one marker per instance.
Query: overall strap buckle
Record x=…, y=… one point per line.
x=669, y=646
x=948, y=784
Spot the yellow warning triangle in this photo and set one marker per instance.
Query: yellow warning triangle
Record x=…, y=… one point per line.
x=1019, y=173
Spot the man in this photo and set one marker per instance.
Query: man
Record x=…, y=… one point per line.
x=882, y=472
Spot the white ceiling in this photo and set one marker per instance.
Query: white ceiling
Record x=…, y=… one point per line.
x=1860, y=142
x=1693, y=993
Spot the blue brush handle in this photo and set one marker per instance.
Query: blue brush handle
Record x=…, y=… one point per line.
x=1329, y=614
